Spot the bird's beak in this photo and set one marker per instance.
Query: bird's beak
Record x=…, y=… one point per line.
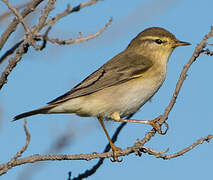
x=180, y=43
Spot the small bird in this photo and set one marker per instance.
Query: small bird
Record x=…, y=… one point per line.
x=122, y=85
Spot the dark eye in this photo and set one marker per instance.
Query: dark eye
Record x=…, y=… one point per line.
x=158, y=41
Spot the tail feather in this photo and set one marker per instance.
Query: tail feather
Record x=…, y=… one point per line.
x=42, y=110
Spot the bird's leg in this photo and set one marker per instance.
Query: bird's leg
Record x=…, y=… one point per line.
x=154, y=123
x=115, y=149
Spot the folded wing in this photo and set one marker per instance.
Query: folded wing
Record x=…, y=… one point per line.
x=121, y=68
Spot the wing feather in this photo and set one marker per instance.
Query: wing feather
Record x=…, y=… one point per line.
x=121, y=68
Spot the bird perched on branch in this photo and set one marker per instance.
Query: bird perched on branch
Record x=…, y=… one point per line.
x=122, y=85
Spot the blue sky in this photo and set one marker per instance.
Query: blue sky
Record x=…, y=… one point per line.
x=43, y=76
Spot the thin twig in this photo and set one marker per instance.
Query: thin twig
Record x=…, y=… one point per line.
x=8, y=13
x=21, y=51
x=150, y=151
x=207, y=52
x=12, y=27
x=10, y=51
x=63, y=140
x=9, y=165
x=47, y=9
x=12, y=63
x=18, y=15
x=80, y=39
x=19, y=153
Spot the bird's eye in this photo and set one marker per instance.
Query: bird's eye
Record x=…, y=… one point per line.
x=158, y=41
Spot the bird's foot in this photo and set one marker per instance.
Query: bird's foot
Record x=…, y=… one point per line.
x=154, y=123
x=115, y=150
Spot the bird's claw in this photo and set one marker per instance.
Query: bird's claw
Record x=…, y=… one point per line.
x=154, y=123
x=115, y=149
x=115, y=159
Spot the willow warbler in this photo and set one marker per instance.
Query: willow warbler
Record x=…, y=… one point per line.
x=122, y=85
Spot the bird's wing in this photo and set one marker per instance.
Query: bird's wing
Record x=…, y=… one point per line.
x=121, y=68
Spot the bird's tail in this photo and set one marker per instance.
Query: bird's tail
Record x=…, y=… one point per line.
x=42, y=110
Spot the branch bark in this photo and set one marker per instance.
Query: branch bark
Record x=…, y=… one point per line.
x=80, y=39
x=12, y=63
x=5, y=168
x=18, y=15
x=33, y=35
x=150, y=151
x=12, y=27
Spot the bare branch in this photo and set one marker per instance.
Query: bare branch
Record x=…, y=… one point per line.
x=207, y=52
x=180, y=153
x=48, y=8
x=10, y=51
x=12, y=63
x=8, y=13
x=63, y=140
x=32, y=36
x=4, y=168
x=18, y=15
x=12, y=27
x=26, y=143
x=80, y=39
x=87, y=157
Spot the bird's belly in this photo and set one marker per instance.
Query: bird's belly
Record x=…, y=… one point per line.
x=134, y=96
x=125, y=98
